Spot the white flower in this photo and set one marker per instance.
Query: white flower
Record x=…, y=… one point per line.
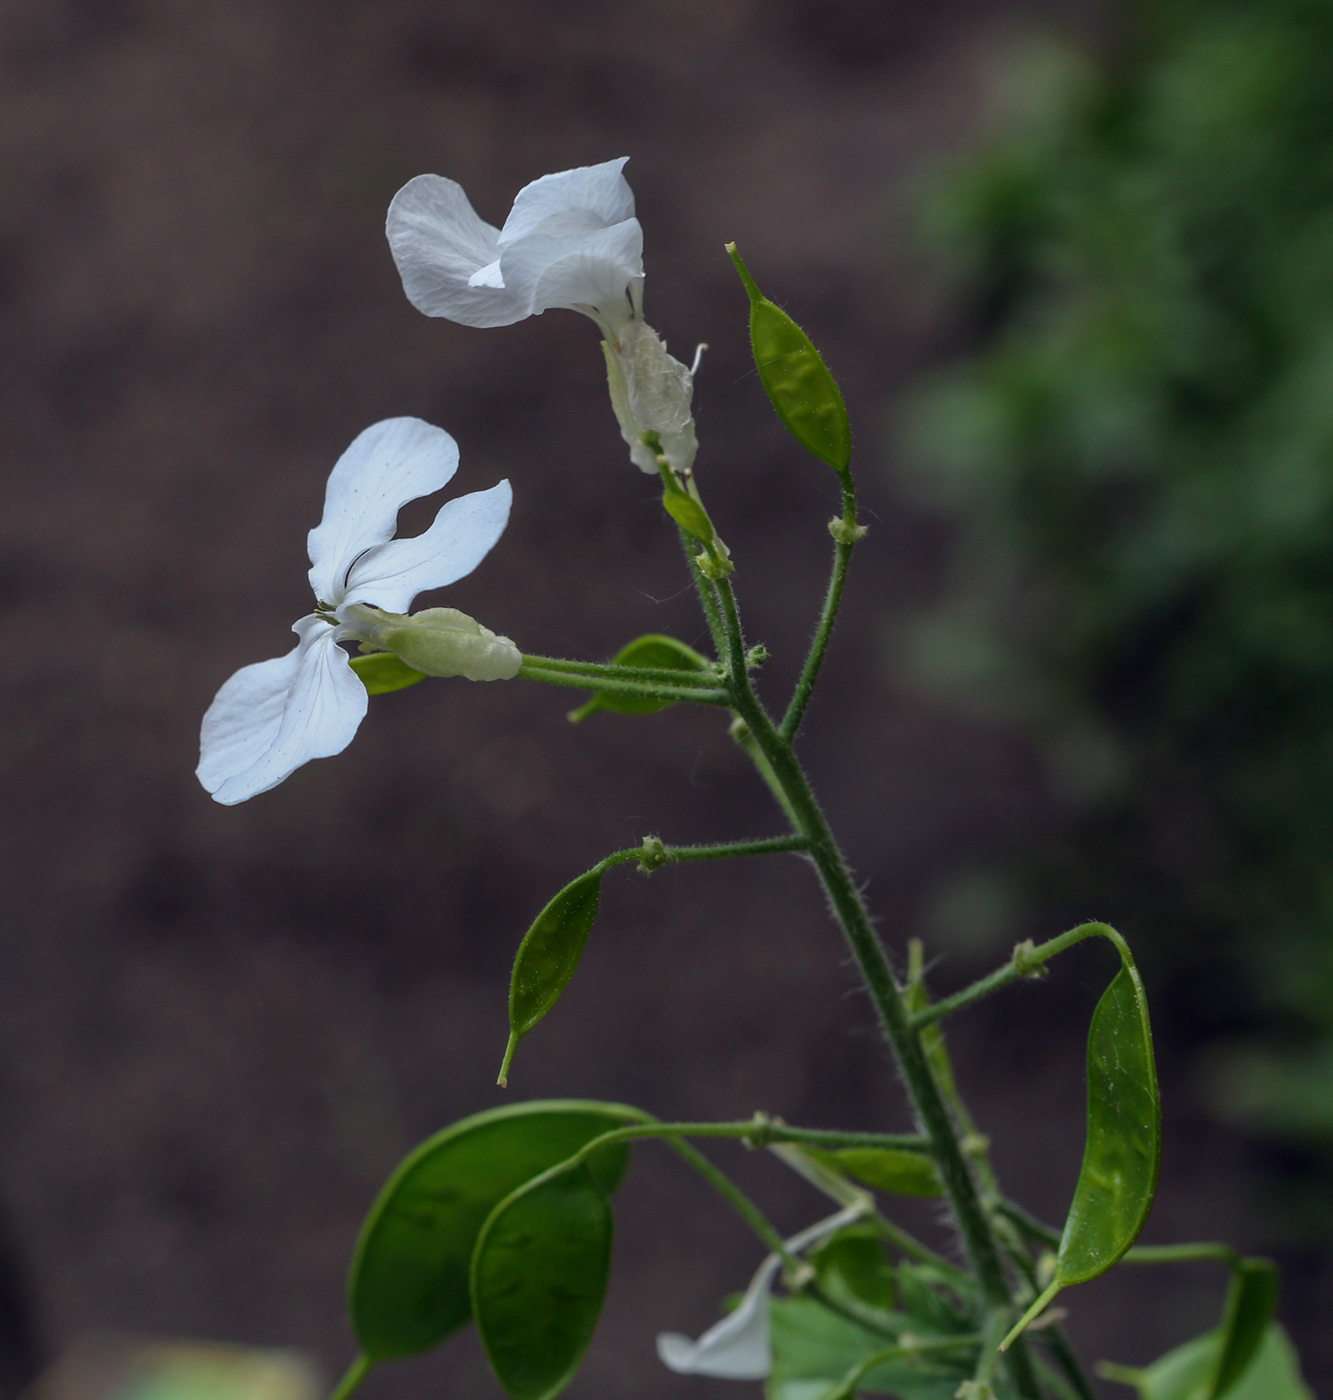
x=571, y=240
x=738, y=1348
x=272, y=717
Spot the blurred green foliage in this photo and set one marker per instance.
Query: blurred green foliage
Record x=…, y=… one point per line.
x=1139, y=454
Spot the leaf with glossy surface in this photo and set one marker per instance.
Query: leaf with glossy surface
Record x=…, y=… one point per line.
x=382, y=672
x=549, y=955
x=796, y=379
x=657, y=651
x=1123, y=1152
x=539, y=1277
x=408, y=1287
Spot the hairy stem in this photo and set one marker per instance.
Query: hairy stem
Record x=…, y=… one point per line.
x=895, y=1019
x=646, y=690
x=842, y=558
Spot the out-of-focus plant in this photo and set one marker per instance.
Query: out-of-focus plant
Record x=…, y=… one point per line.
x=1140, y=455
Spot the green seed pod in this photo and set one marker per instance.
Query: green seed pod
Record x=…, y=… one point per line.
x=796, y=379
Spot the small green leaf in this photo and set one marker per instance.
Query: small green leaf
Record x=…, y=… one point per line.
x=654, y=650
x=1187, y=1372
x=1251, y=1303
x=382, y=671
x=539, y=1278
x=887, y=1169
x=852, y=1265
x=689, y=515
x=796, y=379
x=1118, y=1179
x=408, y=1286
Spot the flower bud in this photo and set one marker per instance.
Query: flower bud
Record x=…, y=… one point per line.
x=436, y=641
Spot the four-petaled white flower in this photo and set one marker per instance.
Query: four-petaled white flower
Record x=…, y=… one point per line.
x=272, y=717
x=739, y=1347
x=571, y=240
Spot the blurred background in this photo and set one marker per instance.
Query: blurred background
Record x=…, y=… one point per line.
x=1073, y=265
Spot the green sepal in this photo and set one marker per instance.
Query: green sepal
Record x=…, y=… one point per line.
x=1123, y=1152
x=887, y=1169
x=408, y=1285
x=796, y=379
x=539, y=1276
x=382, y=671
x=689, y=515
x=654, y=650
x=548, y=956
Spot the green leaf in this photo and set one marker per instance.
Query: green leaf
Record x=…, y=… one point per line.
x=813, y=1349
x=1118, y=1178
x=1187, y=1372
x=657, y=651
x=1251, y=1303
x=408, y=1287
x=382, y=671
x=852, y=1265
x=539, y=1278
x=548, y=955
x=796, y=379
x=887, y=1169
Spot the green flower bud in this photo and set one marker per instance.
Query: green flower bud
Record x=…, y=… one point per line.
x=437, y=642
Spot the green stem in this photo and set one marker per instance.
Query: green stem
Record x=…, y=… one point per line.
x=668, y=675
x=1026, y=962
x=740, y=732
x=974, y=1225
x=704, y=588
x=1182, y=1254
x=656, y=690
x=842, y=558
x=653, y=854
x=846, y=1387
x=356, y=1373
x=1029, y=1224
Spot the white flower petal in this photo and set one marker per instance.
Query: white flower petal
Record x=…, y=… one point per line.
x=272, y=717
x=578, y=271
x=460, y=537
x=589, y=197
x=738, y=1348
x=439, y=245
x=389, y=464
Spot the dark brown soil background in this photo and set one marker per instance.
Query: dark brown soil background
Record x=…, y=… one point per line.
x=219, y=1028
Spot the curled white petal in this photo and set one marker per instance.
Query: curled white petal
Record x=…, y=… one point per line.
x=387, y=465
x=272, y=717
x=462, y=534
x=591, y=272
x=448, y=257
x=739, y=1347
x=571, y=201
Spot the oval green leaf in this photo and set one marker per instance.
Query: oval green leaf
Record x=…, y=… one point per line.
x=539, y=1277
x=852, y=1264
x=548, y=955
x=408, y=1286
x=689, y=515
x=382, y=671
x=888, y=1169
x=1121, y=1157
x=796, y=379
x=656, y=650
